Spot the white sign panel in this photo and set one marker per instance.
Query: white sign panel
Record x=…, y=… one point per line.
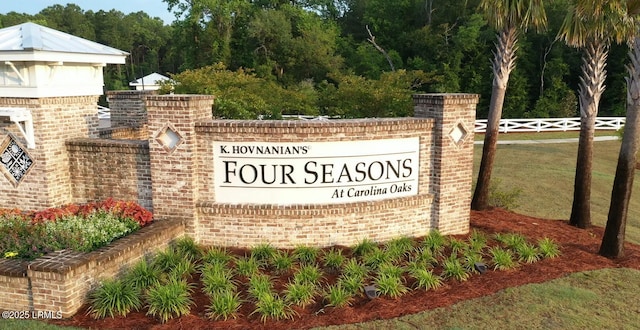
x=315, y=173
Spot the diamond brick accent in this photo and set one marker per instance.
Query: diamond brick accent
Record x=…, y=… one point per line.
x=169, y=138
x=15, y=161
x=458, y=133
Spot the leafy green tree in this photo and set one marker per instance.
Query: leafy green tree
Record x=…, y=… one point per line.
x=356, y=97
x=70, y=19
x=295, y=44
x=205, y=29
x=242, y=95
x=508, y=17
x=557, y=99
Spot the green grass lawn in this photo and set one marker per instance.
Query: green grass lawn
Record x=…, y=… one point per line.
x=602, y=299
x=545, y=173
x=543, y=136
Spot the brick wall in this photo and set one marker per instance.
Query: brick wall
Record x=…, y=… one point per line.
x=128, y=108
x=62, y=281
x=317, y=225
x=183, y=184
x=110, y=168
x=55, y=120
x=14, y=285
x=123, y=133
x=453, y=160
x=174, y=171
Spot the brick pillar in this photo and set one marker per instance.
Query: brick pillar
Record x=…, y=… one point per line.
x=128, y=108
x=46, y=183
x=452, y=157
x=172, y=146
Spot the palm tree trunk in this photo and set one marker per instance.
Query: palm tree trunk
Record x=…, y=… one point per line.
x=613, y=240
x=503, y=64
x=581, y=208
x=591, y=89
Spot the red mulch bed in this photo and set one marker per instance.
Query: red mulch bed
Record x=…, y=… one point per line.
x=579, y=253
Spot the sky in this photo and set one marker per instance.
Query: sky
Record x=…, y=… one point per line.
x=154, y=8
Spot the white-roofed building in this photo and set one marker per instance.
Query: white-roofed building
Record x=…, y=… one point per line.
x=149, y=82
x=37, y=61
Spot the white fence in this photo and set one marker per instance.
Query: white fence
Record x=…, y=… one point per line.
x=104, y=113
x=506, y=125
x=549, y=124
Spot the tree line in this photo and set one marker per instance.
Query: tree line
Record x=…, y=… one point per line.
x=311, y=47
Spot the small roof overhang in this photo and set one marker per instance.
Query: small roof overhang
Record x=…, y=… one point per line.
x=31, y=42
x=150, y=79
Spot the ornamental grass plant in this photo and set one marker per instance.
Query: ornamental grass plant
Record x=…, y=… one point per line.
x=224, y=305
x=114, y=297
x=338, y=296
x=271, y=306
x=548, y=248
x=143, y=275
x=274, y=283
x=169, y=299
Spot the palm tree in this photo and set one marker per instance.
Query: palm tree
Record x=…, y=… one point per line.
x=613, y=240
x=590, y=25
x=508, y=17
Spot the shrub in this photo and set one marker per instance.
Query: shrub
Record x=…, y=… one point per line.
x=452, y=268
x=333, y=259
x=338, y=296
x=259, y=285
x=167, y=259
x=457, y=245
x=502, y=259
x=425, y=279
x=527, y=253
x=353, y=268
x=353, y=284
x=435, y=242
x=183, y=269
x=472, y=257
x=375, y=258
x=399, y=247
x=188, y=248
x=114, y=297
x=301, y=294
x=282, y=262
x=390, y=285
x=306, y=254
x=308, y=274
x=391, y=270
x=143, y=275
x=548, y=248
x=263, y=252
x=423, y=256
x=510, y=240
x=477, y=241
x=217, y=255
x=216, y=279
x=224, y=305
x=274, y=307
x=363, y=247
x=170, y=299
x=247, y=266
